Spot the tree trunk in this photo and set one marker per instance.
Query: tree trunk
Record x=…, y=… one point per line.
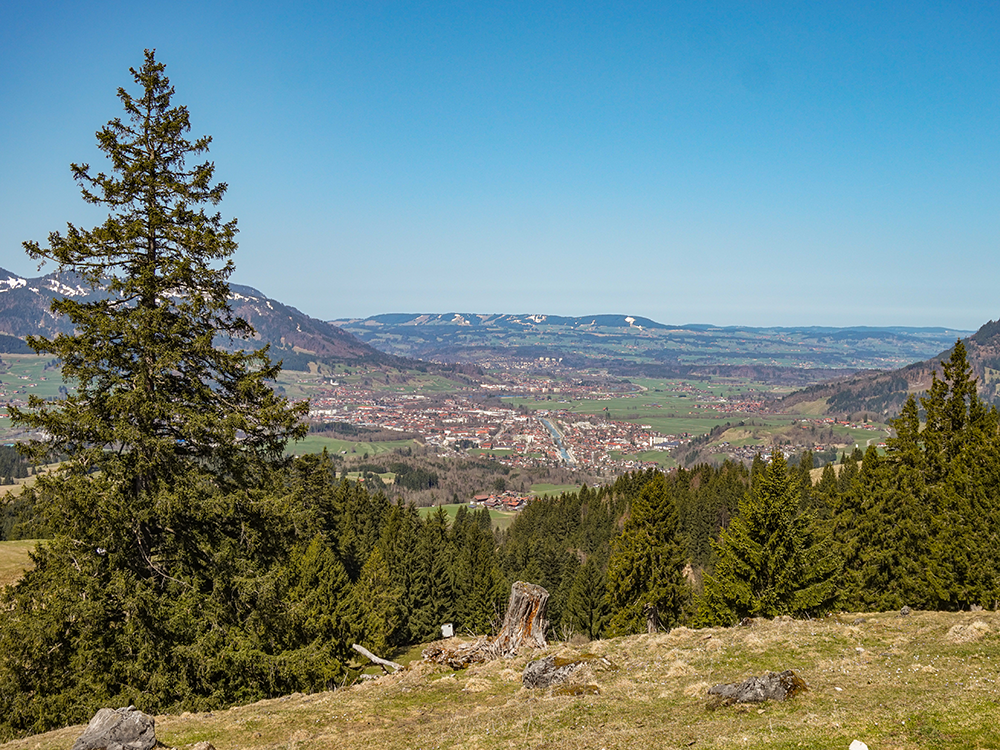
x=384, y=663
x=525, y=623
x=652, y=618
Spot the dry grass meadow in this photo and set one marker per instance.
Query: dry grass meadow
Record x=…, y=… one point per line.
x=15, y=559
x=927, y=680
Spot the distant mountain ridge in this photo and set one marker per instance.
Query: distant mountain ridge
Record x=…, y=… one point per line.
x=631, y=344
x=294, y=336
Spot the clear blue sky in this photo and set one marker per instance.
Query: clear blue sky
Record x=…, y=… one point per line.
x=729, y=163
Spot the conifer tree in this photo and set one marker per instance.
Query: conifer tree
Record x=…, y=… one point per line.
x=159, y=586
x=318, y=599
x=375, y=604
x=434, y=597
x=961, y=464
x=398, y=543
x=768, y=563
x=884, y=531
x=647, y=562
x=480, y=590
x=587, y=606
x=153, y=391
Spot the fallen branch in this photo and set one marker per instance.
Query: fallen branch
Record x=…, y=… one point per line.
x=384, y=663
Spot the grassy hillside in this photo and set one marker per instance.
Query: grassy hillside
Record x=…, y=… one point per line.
x=14, y=559
x=501, y=519
x=923, y=681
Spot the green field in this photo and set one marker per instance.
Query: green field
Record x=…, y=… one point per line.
x=28, y=376
x=501, y=519
x=663, y=458
x=553, y=489
x=316, y=444
x=316, y=382
x=671, y=407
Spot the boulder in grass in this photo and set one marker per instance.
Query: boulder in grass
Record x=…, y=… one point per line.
x=772, y=686
x=118, y=729
x=556, y=670
x=546, y=672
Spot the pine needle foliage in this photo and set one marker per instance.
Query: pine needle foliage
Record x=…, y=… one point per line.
x=165, y=583
x=647, y=562
x=768, y=561
x=152, y=390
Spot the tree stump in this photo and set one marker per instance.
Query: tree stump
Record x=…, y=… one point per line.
x=524, y=624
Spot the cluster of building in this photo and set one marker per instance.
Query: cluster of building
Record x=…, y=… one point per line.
x=744, y=405
x=514, y=437
x=508, y=501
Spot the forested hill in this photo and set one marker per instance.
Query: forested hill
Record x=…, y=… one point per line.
x=293, y=335
x=884, y=393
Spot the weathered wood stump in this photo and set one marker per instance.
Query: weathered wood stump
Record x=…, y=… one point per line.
x=652, y=618
x=384, y=663
x=524, y=626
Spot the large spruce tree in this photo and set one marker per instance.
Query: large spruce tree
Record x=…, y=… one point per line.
x=160, y=587
x=152, y=388
x=647, y=562
x=769, y=562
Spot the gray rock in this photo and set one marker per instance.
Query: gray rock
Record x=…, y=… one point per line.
x=554, y=670
x=118, y=729
x=904, y=611
x=543, y=673
x=772, y=686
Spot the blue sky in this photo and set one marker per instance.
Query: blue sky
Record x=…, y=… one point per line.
x=728, y=163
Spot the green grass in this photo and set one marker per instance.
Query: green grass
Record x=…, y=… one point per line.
x=501, y=519
x=27, y=376
x=477, y=452
x=906, y=683
x=553, y=489
x=316, y=444
x=663, y=458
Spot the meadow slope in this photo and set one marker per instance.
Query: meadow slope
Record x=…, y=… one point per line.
x=920, y=681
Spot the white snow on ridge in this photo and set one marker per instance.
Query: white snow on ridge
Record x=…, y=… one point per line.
x=65, y=290
x=12, y=282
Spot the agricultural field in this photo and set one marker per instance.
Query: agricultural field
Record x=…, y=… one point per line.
x=553, y=489
x=501, y=519
x=324, y=380
x=317, y=443
x=24, y=375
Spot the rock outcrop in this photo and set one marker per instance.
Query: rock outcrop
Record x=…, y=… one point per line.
x=772, y=686
x=118, y=729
